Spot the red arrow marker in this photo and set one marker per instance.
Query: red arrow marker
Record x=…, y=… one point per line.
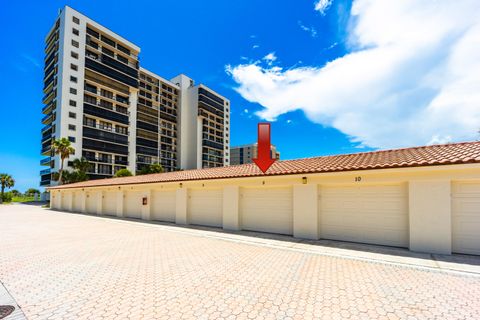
x=264, y=159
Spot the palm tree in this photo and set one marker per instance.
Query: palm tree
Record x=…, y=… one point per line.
x=62, y=148
x=81, y=165
x=6, y=181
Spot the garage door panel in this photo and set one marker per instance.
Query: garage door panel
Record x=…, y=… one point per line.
x=267, y=210
x=77, y=202
x=205, y=207
x=133, y=204
x=110, y=203
x=66, y=201
x=163, y=205
x=371, y=214
x=91, y=205
x=466, y=217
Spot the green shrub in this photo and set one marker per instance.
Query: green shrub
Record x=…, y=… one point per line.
x=7, y=197
x=123, y=173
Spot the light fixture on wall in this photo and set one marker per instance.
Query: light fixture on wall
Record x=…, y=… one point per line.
x=181, y=185
x=304, y=180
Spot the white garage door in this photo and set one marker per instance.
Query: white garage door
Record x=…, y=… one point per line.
x=163, y=206
x=267, y=209
x=66, y=201
x=133, y=204
x=91, y=205
x=110, y=203
x=466, y=218
x=375, y=214
x=77, y=201
x=205, y=207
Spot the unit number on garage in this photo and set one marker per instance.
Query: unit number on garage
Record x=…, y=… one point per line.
x=358, y=179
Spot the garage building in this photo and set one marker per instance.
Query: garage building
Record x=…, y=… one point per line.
x=425, y=198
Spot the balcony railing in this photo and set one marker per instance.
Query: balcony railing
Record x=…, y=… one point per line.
x=49, y=107
x=45, y=171
x=45, y=161
x=46, y=137
x=124, y=162
x=46, y=128
x=46, y=149
x=47, y=119
x=96, y=66
x=99, y=159
x=104, y=113
x=45, y=183
x=104, y=135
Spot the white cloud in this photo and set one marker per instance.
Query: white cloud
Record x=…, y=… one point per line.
x=311, y=30
x=323, y=5
x=412, y=77
x=245, y=110
x=270, y=58
x=255, y=46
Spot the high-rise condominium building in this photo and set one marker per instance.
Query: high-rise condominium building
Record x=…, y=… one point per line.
x=246, y=153
x=119, y=115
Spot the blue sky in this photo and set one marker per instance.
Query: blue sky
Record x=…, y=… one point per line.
x=316, y=69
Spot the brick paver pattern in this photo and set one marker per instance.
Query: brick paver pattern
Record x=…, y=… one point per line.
x=69, y=266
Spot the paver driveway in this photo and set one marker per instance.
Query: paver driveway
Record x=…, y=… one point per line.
x=60, y=265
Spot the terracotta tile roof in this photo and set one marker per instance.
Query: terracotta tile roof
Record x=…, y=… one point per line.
x=454, y=153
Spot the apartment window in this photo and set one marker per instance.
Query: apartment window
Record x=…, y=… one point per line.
x=122, y=130
x=90, y=99
x=105, y=169
x=122, y=109
x=125, y=60
x=107, y=51
x=108, y=41
x=105, y=126
x=106, y=104
x=74, y=67
x=71, y=139
x=75, y=31
x=76, y=20
x=74, y=55
x=89, y=122
x=106, y=93
x=73, y=79
x=72, y=127
x=73, y=103
x=75, y=44
x=73, y=91
x=72, y=115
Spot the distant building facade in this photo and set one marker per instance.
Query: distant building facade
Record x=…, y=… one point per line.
x=246, y=153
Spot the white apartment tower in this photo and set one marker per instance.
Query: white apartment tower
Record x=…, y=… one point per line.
x=119, y=115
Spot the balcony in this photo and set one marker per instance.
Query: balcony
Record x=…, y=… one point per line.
x=46, y=128
x=48, y=108
x=104, y=113
x=44, y=183
x=212, y=144
x=104, y=146
x=147, y=126
x=45, y=171
x=104, y=135
x=46, y=150
x=123, y=162
x=48, y=118
x=99, y=159
x=46, y=137
x=49, y=97
x=147, y=151
x=96, y=66
x=45, y=161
